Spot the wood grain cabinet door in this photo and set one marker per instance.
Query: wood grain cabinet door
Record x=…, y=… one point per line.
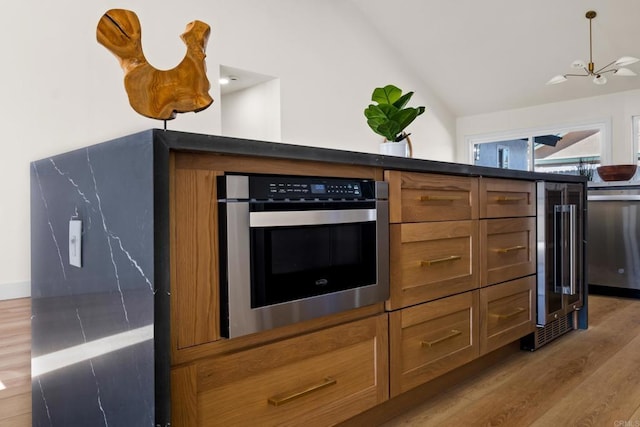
x=501, y=198
x=430, y=339
x=316, y=379
x=431, y=260
x=507, y=249
x=506, y=312
x=416, y=197
x=195, y=309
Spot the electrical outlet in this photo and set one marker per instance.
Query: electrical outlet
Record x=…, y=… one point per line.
x=75, y=242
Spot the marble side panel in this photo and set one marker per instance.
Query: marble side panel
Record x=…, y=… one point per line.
x=93, y=327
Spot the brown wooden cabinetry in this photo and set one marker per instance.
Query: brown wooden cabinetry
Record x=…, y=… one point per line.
x=435, y=272
x=322, y=377
x=324, y=370
x=431, y=260
x=449, y=236
x=417, y=197
x=194, y=238
x=430, y=339
x=507, y=312
x=460, y=249
x=500, y=198
x=433, y=236
x=195, y=260
x=507, y=261
x=507, y=249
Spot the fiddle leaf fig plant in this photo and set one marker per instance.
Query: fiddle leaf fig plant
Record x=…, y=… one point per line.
x=389, y=116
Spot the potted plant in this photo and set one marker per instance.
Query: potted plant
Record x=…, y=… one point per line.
x=389, y=117
x=585, y=168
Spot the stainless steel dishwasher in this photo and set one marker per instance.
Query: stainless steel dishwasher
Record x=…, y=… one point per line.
x=613, y=239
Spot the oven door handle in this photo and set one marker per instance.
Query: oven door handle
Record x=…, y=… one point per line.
x=312, y=217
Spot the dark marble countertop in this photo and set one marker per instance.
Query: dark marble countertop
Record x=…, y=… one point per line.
x=184, y=141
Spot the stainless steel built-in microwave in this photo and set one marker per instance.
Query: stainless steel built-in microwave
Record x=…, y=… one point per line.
x=294, y=248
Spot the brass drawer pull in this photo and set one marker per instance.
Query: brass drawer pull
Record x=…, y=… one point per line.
x=509, y=199
x=439, y=198
x=454, y=333
x=515, y=312
x=283, y=398
x=429, y=262
x=512, y=248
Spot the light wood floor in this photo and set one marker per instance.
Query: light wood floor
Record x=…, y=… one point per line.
x=15, y=363
x=586, y=378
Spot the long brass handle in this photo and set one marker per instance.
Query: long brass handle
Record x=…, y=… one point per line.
x=439, y=260
x=281, y=399
x=509, y=199
x=515, y=312
x=454, y=333
x=512, y=248
x=439, y=198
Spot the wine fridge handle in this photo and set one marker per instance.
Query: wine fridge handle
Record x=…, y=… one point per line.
x=558, y=252
x=573, y=253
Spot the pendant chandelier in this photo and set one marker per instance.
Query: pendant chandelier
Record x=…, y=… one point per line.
x=615, y=67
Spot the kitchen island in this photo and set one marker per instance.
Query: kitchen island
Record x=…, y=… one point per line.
x=133, y=336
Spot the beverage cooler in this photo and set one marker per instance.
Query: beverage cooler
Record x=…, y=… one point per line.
x=561, y=291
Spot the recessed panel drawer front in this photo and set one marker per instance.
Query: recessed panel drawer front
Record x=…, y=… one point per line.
x=432, y=260
x=416, y=197
x=507, y=250
x=431, y=339
x=323, y=377
x=506, y=312
x=501, y=198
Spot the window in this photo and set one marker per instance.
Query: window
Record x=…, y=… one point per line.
x=571, y=152
x=510, y=154
x=503, y=157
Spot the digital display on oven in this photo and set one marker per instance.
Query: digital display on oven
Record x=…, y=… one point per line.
x=318, y=188
x=302, y=188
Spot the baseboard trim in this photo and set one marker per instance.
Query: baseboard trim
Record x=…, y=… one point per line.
x=15, y=290
x=614, y=291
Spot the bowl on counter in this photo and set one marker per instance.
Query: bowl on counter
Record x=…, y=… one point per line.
x=617, y=172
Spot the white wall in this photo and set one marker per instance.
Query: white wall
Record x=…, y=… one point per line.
x=615, y=111
x=62, y=90
x=253, y=113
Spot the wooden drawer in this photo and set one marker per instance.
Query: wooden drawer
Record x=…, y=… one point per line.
x=506, y=312
x=322, y=378
x=431, y=339
x=501, y=198
x=432, y=260
x=416, y=197
x=507, y=249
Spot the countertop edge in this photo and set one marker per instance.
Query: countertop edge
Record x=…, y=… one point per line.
x=185, y=141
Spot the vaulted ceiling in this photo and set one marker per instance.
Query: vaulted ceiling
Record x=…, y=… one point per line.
x=493, y=55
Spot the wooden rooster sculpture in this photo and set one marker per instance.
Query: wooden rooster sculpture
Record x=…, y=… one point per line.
x=158, y=94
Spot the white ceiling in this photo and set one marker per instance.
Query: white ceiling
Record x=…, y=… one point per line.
x=493, y=55
x=240, y=79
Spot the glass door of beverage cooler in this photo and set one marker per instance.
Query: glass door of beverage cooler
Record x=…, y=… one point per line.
x=573, y=299
x=560, y=248
x=550, y=218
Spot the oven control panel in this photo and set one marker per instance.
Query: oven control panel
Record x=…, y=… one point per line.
x=263, y=187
